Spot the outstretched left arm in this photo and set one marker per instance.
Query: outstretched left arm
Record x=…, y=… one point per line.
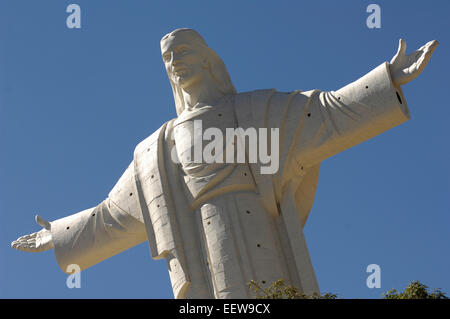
x=331, y=122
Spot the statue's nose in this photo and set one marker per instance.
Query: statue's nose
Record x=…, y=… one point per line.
x=175, y=58
x=172, y=60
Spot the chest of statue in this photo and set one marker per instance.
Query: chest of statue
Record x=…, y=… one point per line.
x=200, y=138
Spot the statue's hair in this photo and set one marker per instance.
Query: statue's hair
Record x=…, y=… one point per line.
x=216, y=67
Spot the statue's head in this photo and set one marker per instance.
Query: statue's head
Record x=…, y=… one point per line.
x=190, y=62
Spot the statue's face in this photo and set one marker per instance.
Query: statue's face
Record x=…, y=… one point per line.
x=185, y=64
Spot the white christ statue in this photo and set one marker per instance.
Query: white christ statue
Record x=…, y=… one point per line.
x=222, y=224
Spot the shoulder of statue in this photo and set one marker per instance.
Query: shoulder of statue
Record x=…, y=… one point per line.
x=257, y=92
x=151, y=141
x=266, y=93
x=252, y=97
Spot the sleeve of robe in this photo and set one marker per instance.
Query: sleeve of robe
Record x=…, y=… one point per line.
x=95, y=234
x=322, y=124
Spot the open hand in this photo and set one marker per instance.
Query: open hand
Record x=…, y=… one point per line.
x=405, y=68
x=35, y=242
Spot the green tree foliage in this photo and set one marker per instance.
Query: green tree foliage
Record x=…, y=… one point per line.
x=415, y=290
x=279, y=290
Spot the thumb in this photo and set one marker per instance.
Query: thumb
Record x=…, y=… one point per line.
x=44, y=223
x=402, y=46
x=400, y=51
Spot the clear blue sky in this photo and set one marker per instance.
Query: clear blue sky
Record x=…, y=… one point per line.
x=75, y=103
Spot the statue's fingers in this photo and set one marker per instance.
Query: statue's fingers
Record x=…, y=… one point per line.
x=24, y=237
x=415, y=56
x=20, y=239
x=427, y=47
x=21, y=246
x=425, y=58
x=32, y=235
x=412, y=70
x=17, y=245
x=432, y=46
x=423, y=47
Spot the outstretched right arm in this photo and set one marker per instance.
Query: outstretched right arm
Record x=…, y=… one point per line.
x=93, y=235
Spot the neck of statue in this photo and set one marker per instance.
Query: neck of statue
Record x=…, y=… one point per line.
x=206, y=93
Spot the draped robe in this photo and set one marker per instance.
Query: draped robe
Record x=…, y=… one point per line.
x=221, y=225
